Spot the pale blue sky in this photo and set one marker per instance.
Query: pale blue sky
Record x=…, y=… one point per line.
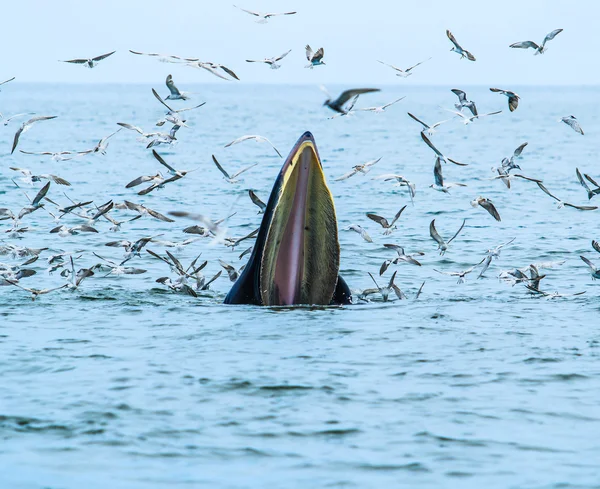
x=37, y=33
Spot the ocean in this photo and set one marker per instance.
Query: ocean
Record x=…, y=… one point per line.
x=125, y=384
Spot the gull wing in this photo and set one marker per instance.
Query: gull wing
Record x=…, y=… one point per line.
x=392, y=66
x=243, y=170
x=379, y=220
x=582, y=181
x=589, y=263
x=171, y=86
x=426, y=126
x=346, y=175
x=309, y=53
x=453, y=39
x=163, y=162
x=434, y=234
x=159, y=98
x=430, y=144
x=257, y=14
x=319, y=54
x=414, y=66
x=462, y=96
x=581, y=207
x=525, y=45
x=519, y=150
x=596, y=246
x=103, y=56
x=158, y=215
x=397, y=216
x=348, y=94
x=130, y=127
x=221, y=169
x=257, y=201
x=76, y=61
x=547, y=192
x=491, y=208
x=140, y=180
x=457, y=232
x=9, y=80
x=40, y=195
x=392, y=103
x=551, y=36
x=437, y=173
x=283, y=55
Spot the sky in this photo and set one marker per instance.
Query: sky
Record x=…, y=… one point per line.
x=38, y=33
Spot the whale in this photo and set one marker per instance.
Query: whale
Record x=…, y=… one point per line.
x=296, y=257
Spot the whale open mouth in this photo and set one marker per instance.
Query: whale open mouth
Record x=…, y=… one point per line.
x=301, y=254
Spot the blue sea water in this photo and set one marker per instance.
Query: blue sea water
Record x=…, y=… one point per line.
x=124, y=384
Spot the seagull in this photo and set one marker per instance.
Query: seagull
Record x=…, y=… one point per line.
x=175, y=94
x=462, y=276
x=469, y=119
x=438, y=153
x=172, y=171
x=164, y=138
x=358, y=229
x=29, y=177
x=513, y=98
x=562, y=204
x=430, y=130
x=572, y=123
x=385, y=224
x=509, y=163
x=213, y=68
x=315, y=59
x=8, y=119
x=385, y=291
x=492, y=253
x=64, y=231
x=172, y=114
x=552, y=295
x=349, y=109
x=509, y=177
x=487, y=205
x=337, y=105
x=443, y=245
x=263, y=17
x=231, y=178
x=400, y=182
x=102, y=145
x=116, y=269
x=256, y=201
x=364, y=169
x=439, y=179
x=258, y=139
x=91, y=62
x=400, y=72
x=458, y=49
x=164, y=58
x=402, y=256
x=538, y=49
x=60, y=155
x=272, y=62
x=381, y=108
x=231, y=271
x=26, y=126
x=595, y=271
x=463, y=102
x=233, y=242
x=202, y=283
x=146, y=211
x=590, y=193
x=35, y=293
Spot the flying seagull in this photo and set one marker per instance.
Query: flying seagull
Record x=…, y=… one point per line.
x=469, y=119
x=462, y=276
x=228, y=177
x=175, y=94
x=360, y=230
x=172, y=114
x=400, y=72
x=463, y=102
x=572, y=123
x=258, y=139
x=458, y=49
x=443, y=245
x=595, y=271
x=513, y=98
x=337, y=105
x=487, y=205
x=90, y=62
x=385, y=224
x=538, y=49
x=26, y=126
x=429, y=129
x=263, y=17
x=364, y=169
x=272, y=62
x=315, y=59
x=562, y=204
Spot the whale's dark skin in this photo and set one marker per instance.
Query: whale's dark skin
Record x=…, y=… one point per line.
x=328, y=288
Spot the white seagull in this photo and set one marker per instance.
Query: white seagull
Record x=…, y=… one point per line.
x=272, y=62
x=89, y=62
x=538, y=49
